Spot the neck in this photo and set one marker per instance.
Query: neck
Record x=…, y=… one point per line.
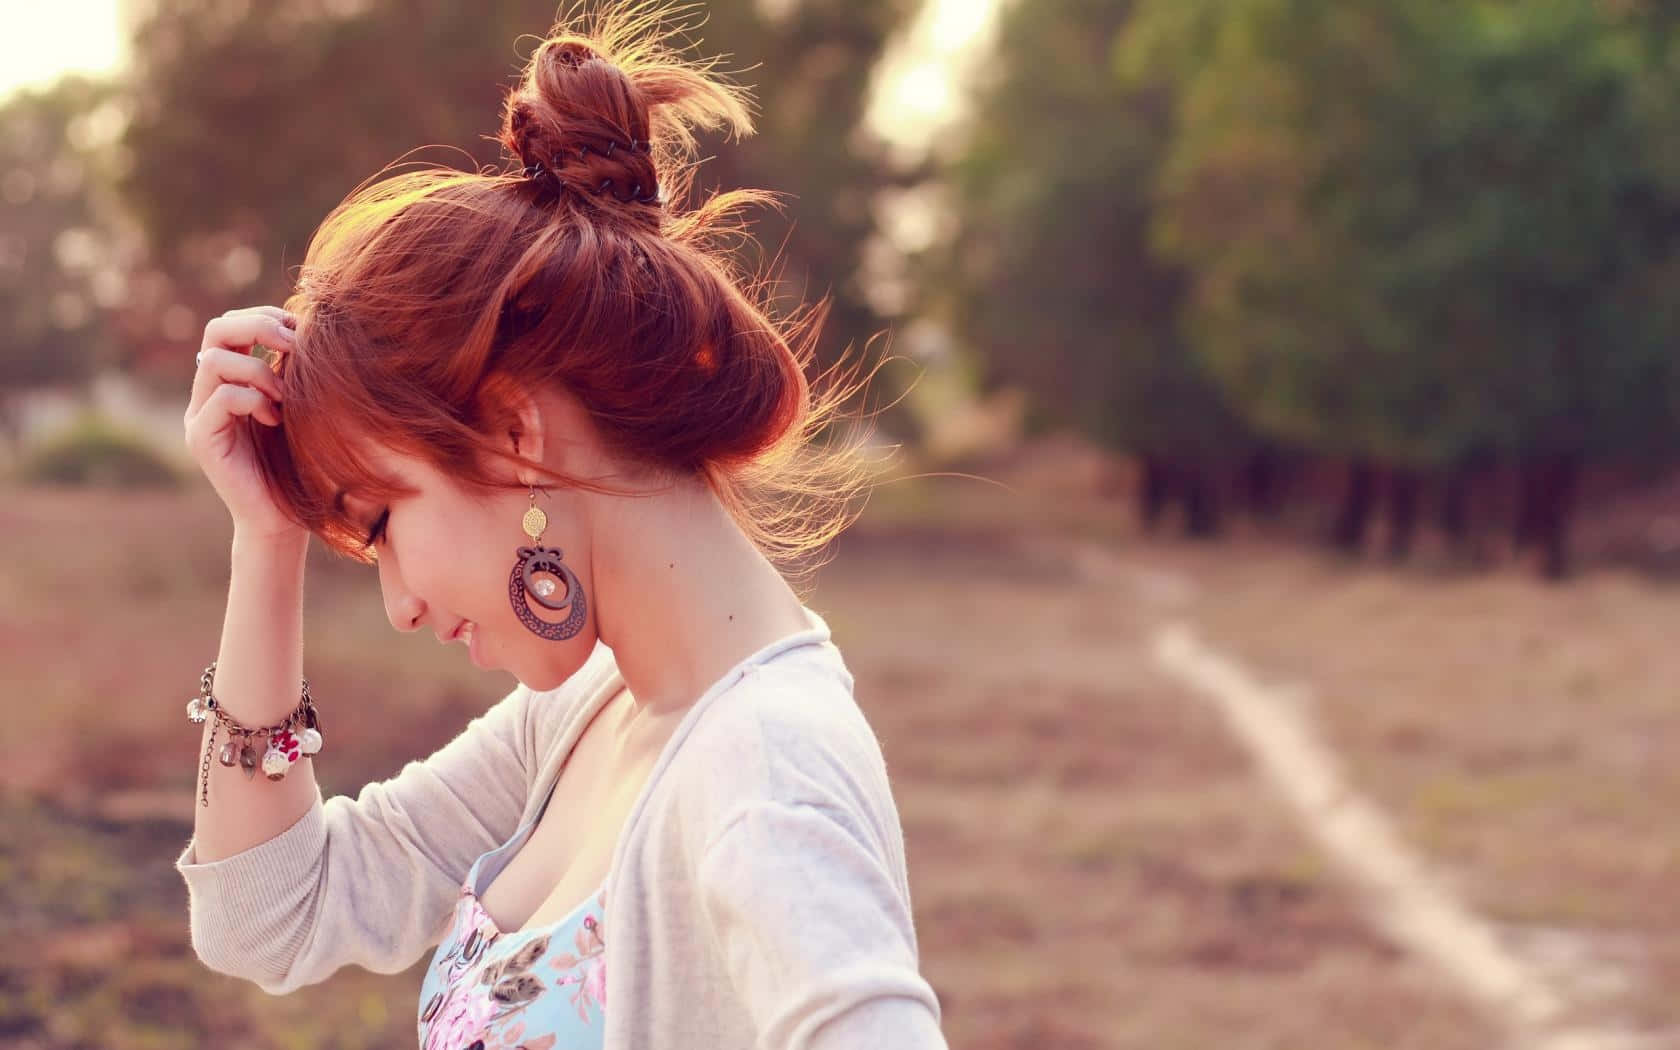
x=682, y=595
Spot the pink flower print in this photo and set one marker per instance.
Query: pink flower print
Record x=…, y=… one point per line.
x=510, y=1041
x=591, y=979
x=589, y=969
x=460, y=1020
x=590, y=940
x=477, y=918
x=477, y=933
x=455, y=962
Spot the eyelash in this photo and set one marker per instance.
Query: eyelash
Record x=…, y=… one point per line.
x=378, y=527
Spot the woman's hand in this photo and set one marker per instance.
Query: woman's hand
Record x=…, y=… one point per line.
x=230, y=384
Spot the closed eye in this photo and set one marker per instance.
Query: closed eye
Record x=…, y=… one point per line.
x=376, y=533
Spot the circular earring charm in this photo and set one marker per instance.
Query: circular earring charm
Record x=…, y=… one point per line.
x=535, y=520
x=523, y=583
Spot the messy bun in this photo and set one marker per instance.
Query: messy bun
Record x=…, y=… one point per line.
x=429, y=300
x=580, y=123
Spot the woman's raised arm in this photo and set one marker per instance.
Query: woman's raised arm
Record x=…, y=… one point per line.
x=368, y=880
x=283, y=887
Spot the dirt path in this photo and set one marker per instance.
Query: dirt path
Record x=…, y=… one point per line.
x=1404, y=897
x=1410, y=904
x=1096, y=862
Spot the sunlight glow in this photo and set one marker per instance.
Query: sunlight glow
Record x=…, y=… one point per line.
x=42, y=42
x=918, y=85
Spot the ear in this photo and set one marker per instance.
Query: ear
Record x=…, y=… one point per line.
x=527, y=433
x=520, y=426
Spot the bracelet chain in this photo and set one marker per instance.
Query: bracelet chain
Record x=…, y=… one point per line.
x=205, y=704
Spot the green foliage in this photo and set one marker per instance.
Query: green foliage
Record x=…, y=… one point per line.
x=1051, y=275
x=95, y=452
x=809, y=66
x=1424, y=231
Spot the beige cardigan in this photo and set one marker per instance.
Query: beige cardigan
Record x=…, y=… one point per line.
x=758, y=891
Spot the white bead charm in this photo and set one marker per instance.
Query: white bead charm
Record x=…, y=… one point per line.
x=275, y=763
x=284, y=748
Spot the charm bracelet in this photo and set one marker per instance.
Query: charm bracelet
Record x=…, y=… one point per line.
x=298, y=734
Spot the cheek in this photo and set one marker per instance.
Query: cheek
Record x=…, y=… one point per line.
x=472, y=568
x=451, y=560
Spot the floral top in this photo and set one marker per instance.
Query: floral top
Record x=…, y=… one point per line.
x=534, y=989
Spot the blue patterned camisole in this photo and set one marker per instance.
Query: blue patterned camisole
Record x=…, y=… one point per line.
x=541, y=989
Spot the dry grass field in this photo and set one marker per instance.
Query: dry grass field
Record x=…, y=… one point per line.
x=1095, y=860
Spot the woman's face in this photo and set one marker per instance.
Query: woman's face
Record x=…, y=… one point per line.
x=446, y=554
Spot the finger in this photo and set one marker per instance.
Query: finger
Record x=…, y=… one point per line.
x=279, y=314
x=238, y=329
x=229, y=401
x=284, y=316
x=225, y=355
x=268, y=308
x=219, y=366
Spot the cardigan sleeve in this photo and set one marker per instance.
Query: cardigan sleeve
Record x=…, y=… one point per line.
x=369, y=880
x=815, y=935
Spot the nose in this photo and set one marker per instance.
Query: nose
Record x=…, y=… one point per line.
x=402, y=607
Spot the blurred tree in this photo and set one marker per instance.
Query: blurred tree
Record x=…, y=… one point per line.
x=1425, y=234
x=809, y=63
x=253, y=120
x=1050, y=275
x=55, y=284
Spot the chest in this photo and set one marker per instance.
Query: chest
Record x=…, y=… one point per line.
x=567, y=854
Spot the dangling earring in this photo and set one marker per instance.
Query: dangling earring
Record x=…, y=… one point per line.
x=537, y=558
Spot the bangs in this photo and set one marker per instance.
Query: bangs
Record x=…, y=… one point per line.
x=319, y=455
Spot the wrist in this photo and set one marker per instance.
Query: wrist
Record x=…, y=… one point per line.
x=289, y=545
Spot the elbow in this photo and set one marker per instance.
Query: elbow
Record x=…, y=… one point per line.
x=253, y=915
x=219, y=954
x=264, y=953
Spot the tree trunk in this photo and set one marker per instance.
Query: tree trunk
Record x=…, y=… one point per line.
x=1152, y=492
x=1455, y=507
x=1260, y=483
x=1201, y=504
x=1525, y=528
x=1357, y=501
x=1403, y=488
x=1556, y=483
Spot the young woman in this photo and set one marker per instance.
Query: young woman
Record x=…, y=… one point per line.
x=544, y=407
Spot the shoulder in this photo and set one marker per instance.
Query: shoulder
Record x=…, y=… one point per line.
x=789, y=733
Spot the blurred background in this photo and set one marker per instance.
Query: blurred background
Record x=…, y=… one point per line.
x=1270, y=626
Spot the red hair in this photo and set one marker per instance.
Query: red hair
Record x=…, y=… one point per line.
x=426, y=300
